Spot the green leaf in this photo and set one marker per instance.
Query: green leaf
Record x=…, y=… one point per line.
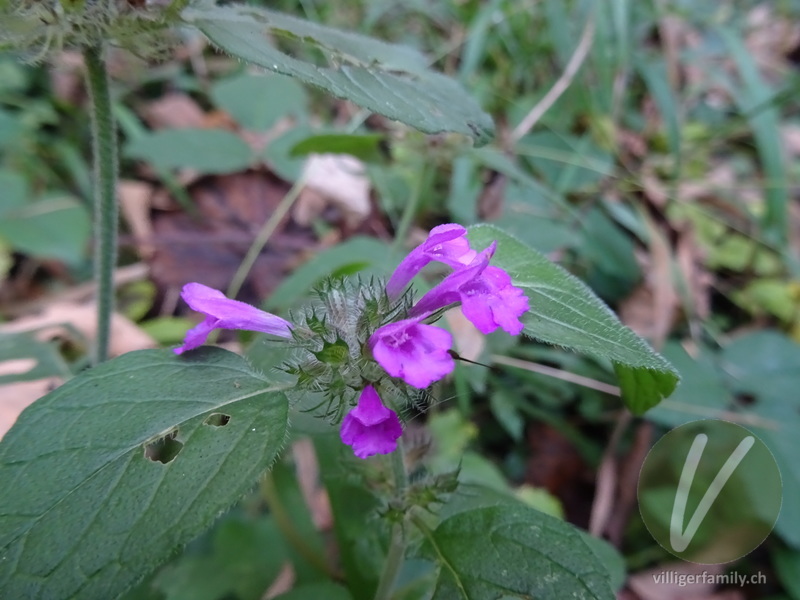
x=511, y=550
x=256, y=102
x=10, y=128
x=505, y=410
x=278, y=156
x=367, y=147
x=13, y=191
x=787, y=564
x=361, y=538
x=104, y=478
x=315, y=591
x=565, y=312
x=206, y=150
x=765, y=367
x=384, y=78
x=54, y=227
x=39, y=359
x=245, y=558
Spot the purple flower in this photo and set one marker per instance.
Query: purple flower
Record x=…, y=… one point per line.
x=224, y=313
x=416, y=353
x=446, y=244
x=488, y=299
x=371, y=428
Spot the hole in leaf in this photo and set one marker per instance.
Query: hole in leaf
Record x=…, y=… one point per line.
x=218, y=420
x=164, y=450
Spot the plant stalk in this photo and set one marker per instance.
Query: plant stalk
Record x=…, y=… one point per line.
x=106, y=210
x=397, y=543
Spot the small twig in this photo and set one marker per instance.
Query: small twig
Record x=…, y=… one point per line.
x=556, y=373
x=561, y=85
x=263, y=237
x=603, y=504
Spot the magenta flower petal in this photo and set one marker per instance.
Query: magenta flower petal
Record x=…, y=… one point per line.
x=446, y=244
x=448, y=290
x=224, y=313
x=371, y=428
x=488, y=298
x=415, y=352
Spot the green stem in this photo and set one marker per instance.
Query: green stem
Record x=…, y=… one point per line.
x=397, y=543
x=263, y=236
x=106, y=210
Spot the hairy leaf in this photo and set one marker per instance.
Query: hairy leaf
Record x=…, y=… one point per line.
x=384, y=78
x=512, y=551
x=104, y=478
x=565, y=312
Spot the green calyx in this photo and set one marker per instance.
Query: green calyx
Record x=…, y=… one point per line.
x=331, y=340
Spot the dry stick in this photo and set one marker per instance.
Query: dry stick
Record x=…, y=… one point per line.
x=603, y=503
x=560, y=86
x=556, y=373
x=263, y=237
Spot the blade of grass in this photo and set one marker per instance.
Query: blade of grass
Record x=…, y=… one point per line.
x=765, y=125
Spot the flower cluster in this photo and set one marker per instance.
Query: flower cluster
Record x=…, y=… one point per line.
x=402, y=342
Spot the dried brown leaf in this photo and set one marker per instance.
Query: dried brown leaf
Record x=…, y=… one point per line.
x=15, y=397
x=135, y=199
x=342, y=180
x=52, y=323
x=174, y=111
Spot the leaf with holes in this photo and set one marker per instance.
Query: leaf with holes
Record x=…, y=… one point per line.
x=513, y=551
x=104, y=478
x=565, y=312
x=387, y=79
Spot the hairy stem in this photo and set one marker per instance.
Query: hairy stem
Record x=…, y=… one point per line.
x=397, y=543
x=106, y=211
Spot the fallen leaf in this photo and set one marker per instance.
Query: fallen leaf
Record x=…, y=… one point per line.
x=283, y=582
x=15, y=397
x=66, y=77
x=56, y=320
x=208, y=248
x=342, y=180
x=135, y=199
x=314, y=493
x=652, y=307
x=174, y=111
x=697, y=280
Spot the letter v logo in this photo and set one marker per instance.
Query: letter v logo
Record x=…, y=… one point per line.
x=680, y=539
